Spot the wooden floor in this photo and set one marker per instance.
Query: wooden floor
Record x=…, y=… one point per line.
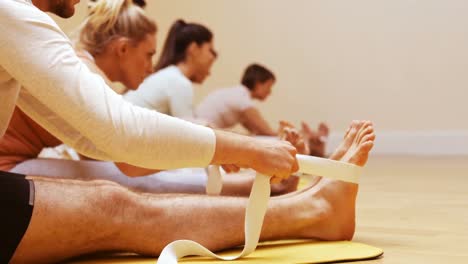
x=416, y=209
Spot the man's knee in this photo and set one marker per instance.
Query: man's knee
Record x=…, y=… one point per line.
x=115, y=200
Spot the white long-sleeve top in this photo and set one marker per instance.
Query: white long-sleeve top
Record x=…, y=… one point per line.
x=40, y=72
x=167, y=91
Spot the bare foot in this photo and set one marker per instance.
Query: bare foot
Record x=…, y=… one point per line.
x=355, y=134
x=315, y=139
x=323, y=130
x=282, y=126
x=332, y=202
x=364, y=139
x=292, y=135
x=348, y=140
x=307, y=131
x=307, y=141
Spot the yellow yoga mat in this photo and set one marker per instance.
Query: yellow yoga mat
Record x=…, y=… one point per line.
x=290, y=251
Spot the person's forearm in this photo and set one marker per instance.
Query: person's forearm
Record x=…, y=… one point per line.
x=259, y=129
x=256, y=124
x=232, y=148
x=266, y=130
x=263, y=128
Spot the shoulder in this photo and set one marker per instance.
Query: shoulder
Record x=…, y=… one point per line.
x=243, y=98
x=21, y=21
x=88, y=60
x=10, y=7
x=178, y=81
x=179, y=77
x=13, y=12
x=241, y=92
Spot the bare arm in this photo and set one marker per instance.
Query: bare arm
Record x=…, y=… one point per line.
x=253, y=121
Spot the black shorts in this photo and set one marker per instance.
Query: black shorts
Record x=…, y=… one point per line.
x=16, y=204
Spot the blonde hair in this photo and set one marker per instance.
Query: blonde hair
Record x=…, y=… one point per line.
x=111, y=19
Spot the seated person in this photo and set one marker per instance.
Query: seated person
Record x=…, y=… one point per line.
x=225, y=108
x=187, y=57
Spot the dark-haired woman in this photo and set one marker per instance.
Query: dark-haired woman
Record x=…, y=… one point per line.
x=187, y=57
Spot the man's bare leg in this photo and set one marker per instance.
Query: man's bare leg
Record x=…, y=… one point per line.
x=72, y=218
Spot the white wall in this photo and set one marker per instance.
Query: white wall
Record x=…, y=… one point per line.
x=401, y=63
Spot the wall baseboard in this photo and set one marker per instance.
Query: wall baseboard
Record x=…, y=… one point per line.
x=424, y=143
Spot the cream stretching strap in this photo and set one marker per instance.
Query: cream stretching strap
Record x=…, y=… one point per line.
x=257, y=205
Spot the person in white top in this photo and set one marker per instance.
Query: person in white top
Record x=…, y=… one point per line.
x=42, y=74
x=20, y=147
x=187, y=57
x=225, y=108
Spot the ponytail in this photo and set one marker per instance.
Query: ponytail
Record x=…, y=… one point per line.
x=111, y=19
x=179, y=38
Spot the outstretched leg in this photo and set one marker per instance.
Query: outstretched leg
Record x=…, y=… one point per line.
x=72, y=218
